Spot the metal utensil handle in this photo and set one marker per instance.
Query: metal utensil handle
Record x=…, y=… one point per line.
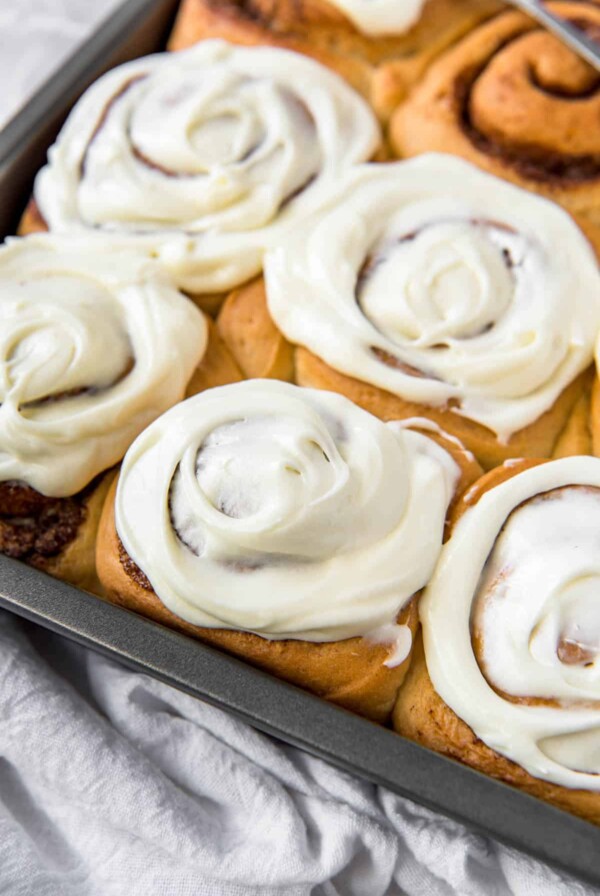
x=572, y=36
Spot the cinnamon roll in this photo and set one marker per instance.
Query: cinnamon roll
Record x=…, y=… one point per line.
x=95, y=342
x=287, y=526
x=203, y=158
x=428, y=288
x=517, y=102
x=507, y=677
x=380, y=46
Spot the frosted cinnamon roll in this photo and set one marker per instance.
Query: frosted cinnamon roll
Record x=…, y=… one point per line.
x=95, y=342
x=380, y=46
x=508, y=681
x=517, y=102
x=428, y=288
x=203, y=158
x=289, y=527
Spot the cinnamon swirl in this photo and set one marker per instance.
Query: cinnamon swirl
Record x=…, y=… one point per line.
x=514, y=100
x=380, y=46
x=231, y=144
x=428, y=288
x=95, y=342
x=508, y=678
x=289, y=527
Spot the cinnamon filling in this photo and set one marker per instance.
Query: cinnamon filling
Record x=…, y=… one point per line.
x=397, y=364
x=132, y=569
x=34, y=527
x=530, y=160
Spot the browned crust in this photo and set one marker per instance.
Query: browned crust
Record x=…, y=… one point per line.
x=32, y=220
x=539, y=439
x=218, y=366
x=350, y=673
x=576, y=436
x=473, y=104
x=421, y=715
x=76, y=561
x=251, y=336
x=381, y=69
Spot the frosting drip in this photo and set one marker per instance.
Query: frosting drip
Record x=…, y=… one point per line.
x=232, y=143
x=283, y=511
x=522, y=621
x=443, y=285
x=95, y=342
x=381, y=17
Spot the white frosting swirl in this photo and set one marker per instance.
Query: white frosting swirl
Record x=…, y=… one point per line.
x=524, y=580
x=283, y=511
x=439, y=283
x=95, y=343
x=203, y=156
x=381, y=17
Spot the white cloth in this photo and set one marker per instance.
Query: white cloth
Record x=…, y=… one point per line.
x=36, y=36
x=113, y=783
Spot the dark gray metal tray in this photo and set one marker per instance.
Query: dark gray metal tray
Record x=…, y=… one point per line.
x=352, y=743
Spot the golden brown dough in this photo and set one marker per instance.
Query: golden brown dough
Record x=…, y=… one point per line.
x=56, y=535
x=381, y=68
x=539, y=439
x=515, y=101
x=350, y=673
x=421, y=715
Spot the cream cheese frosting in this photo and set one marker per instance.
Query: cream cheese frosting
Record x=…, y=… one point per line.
x=443, y=285
x=381, y=17
x=521, y=574
x=287, y=512
x=95, y=343
x=204, y=156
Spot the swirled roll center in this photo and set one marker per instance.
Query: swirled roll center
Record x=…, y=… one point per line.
x=537, y=611
x=284, y=484
x=449, y=281
x=525, y=98
x=61, y=336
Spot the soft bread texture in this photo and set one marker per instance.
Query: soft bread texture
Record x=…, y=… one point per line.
x=512, y=99
x=76, y=562
x=381, y=68
x=421, y=715
x=246, y=311
x=350, y=673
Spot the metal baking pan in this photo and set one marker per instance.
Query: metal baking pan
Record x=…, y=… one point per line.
x=354, y=744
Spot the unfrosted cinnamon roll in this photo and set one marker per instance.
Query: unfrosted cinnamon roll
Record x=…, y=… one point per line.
x=514, y=100
x=95, y=342
x=202, y=158
x=508, y=681
x=289, y=527
x=380, y=46
x=428, y=288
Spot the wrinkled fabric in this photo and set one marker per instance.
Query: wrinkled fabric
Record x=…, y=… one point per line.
x=114, y=783
x=36, y=36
